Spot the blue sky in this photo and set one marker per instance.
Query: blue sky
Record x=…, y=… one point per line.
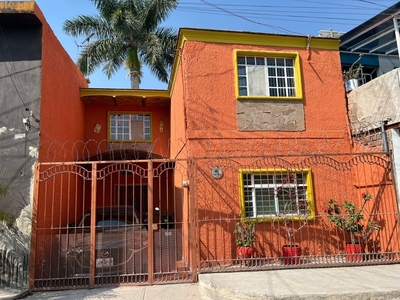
x=306, y=17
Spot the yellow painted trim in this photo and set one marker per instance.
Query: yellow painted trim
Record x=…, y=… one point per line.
x=241, y=194
x=255, y=38
x=124, y=92
x=224, y=37
x=297, y=68
x=130, y=113
x=246, y=38
x=310, y=195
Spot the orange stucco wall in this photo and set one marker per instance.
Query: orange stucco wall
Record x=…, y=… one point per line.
x=178, y=115
x=179, y=150
x=210, y=101
x=61, y=109
x=203, y=110
x=98, y=114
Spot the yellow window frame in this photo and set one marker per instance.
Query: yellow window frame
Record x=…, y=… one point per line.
x=129, y=113
x=270, y=54
x=309, y=192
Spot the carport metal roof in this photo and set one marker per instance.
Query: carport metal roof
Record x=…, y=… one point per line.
x=377, y=36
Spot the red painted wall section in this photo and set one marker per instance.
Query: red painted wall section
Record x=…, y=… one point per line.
x=210, y=91
x=180, y=151
x=98, y=114
x=61, y=109
x=178, y=115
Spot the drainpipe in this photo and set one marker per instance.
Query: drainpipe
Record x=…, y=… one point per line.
x=384, y=137
x=392, y=174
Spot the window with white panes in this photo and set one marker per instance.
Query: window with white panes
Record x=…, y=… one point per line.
x=267, y=194
x=266, y=76
x=129, y=126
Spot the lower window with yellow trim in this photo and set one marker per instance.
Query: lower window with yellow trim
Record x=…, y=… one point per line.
x=274, y=193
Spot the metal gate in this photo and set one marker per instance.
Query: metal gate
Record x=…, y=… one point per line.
x=110, y=223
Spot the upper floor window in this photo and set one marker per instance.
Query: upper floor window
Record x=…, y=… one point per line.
x=269, y=194
x=129, y=126
x=269, y=75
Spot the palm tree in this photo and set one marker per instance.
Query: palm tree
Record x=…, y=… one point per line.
x=127, y=33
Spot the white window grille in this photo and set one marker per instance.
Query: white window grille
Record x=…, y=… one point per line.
x=130, y=127
x=268, y=194
x=266, y=76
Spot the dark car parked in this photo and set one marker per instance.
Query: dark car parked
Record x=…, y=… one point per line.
x=120, y=246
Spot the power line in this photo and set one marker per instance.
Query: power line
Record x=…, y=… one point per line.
x=279, y=28
x=327, y=12
x=370, y=2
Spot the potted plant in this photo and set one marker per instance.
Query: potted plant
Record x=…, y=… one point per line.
x=291, y=251
x=350, y=218
x=293, y=217
x=245, y=232
x=352, y=75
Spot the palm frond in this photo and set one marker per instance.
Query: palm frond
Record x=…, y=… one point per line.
x=85, y=25
x=101, y=52
x=106, y=7
x=158, y=11
x=160, y=45
x=160, y=70
x=7, y=218
x=126, y=26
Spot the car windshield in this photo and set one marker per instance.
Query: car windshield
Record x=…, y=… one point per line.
x=111, y=217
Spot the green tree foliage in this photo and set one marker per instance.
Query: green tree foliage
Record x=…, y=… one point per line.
x=127, y=33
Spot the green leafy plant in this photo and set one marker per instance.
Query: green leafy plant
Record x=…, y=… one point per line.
x=245, y=232
x=350, y=218
x=353, y=72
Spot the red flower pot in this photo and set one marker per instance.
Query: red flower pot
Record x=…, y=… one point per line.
x=244, y=252
x=291, y=254
x=354, y=252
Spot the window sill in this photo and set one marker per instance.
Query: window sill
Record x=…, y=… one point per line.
x=269, y=98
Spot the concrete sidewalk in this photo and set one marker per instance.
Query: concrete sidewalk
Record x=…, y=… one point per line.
x=364, y=282
x=184, y=291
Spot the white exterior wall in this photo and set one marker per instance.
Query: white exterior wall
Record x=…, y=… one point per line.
x=375, y=101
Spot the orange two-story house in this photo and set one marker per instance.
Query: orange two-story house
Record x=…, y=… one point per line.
x=253, y=127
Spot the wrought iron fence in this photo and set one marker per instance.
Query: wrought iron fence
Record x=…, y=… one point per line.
x=286, y=191
x=259, y=188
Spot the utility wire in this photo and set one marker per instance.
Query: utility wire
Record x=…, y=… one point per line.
x=279, y=28
x=327, y=12
x=370, y=2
